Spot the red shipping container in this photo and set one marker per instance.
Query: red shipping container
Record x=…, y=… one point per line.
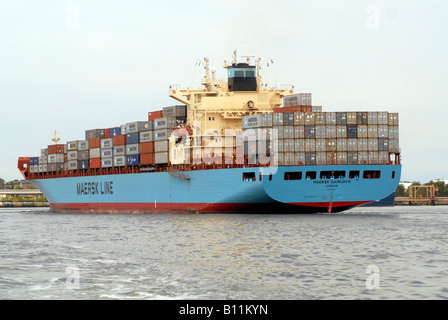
x=147, y=147
x=119, y=140
x=107, y=133
x=155, y=115
x=55, y=148
x=95, y=163
x=147, y=158
x=94, y=143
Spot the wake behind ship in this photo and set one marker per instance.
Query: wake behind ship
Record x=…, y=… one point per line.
x=231, y=146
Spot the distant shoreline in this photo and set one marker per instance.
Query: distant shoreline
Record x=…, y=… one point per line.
x=24, y=204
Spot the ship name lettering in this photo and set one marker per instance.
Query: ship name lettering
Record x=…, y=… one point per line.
x=92, y=188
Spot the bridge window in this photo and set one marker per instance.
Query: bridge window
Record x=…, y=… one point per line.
x=371, y=174
x=353, y=174
x=332, y=174
x=393, y=174
x=293, y=176
x=249, y=176
x=310, y=175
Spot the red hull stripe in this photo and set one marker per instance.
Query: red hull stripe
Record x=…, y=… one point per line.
x=330, y=204
x=275, y=207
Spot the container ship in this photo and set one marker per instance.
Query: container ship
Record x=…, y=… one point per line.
x=233, y=145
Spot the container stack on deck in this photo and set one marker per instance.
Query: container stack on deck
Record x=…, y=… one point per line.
x=303, y=137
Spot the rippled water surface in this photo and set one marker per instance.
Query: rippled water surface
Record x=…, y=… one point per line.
x=364, y=253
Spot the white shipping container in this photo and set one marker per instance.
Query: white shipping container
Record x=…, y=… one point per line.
x=363, y=157
x=94, y=153
x=299, y=145
x=362, y=144
x=109, y=153
x=341, y=131
x=362, y=131
x=162, y=146
x=161, y=157
x=299, y=132
x=60, y=158
x=373, y=157
x=321, y=158
x=394, y=145
x=320, y=118
x=393, y=132
x=341, y=157
x=372, y=118
x=383, y=118
x=383, y=131
x=252, y=121
x=330, y=118
x=372, y=131
x=72, y=165
x=372, y=145
x=331, y=144
x=107, y=163
x=288, y=132
x=299, y=118
x=321, y=145
x=119, y=161
x=383, y=157
x=321, y=131
x=341, y=144
x=52, y=158
x=299, y=158
x=330, y=132
x=310, y=145
x=119, y=150
x=146, y=136
x=83, y=145
x=310, y=118
x=351, y=118
x=107, y=143
x=352, y=144
x=132, y=149
x=72, y=145
x=393, y=119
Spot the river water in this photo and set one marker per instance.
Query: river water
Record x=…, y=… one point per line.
x=363, y=253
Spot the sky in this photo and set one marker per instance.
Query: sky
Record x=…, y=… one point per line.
x=70, y=66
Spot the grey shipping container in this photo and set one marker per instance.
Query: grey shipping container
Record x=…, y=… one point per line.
x=107, y=153
x=95, y=133
x=288, y=118
x=310, y=132
x=277, y=119
x=107, y=163
x=161, y=157
x=330, y=118
x=175, y=111
x=72, y=155
x=119, y=161
x=299, y=158
x=83, y=155
x=162, y=134
x=298, y=99
x=94, y=153
x=341, y=118
x=160, y=123
x=146, y=136
x=361, y=118
x=310, y=158
x=72, y=145
x=266, y=119
x=278, y=132
x=72, y=165
x=161, y=146
x=288, y=132
x=352, y=131
x=299, y=132
x=352, y=118
x=83, y=145
x=107, y=143
x=299, y=118
x=352, y=157
x=320, y=118
x=146, y=126
x=119, y=150
x=383, y=144
x=252, y=121
x=132, y=149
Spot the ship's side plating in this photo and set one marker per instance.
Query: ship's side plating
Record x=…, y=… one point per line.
x=255, y=189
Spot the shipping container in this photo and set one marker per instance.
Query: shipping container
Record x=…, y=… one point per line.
x=288, y=118
x=394, y=145
x=132, y=149
x=175, y=111
x=299, y=158
x=162, y=134
x=147, y=147
x=266, y=120
x=132, y=138
x=321, y=131
x=341, y=157
x=95, y=163
x=83, y=145
x=373, y=157
x=288, y=132
x=161, y=146
x=299, y=132
x=330, y=118
x=120, y=150
x=123, y=129
x=310, y=145
x=362, y=131
x=43, y=159
x=52, y=158
x=44, y=152
x=83, y=164
x=160, y=123
x=362, y=144
x=362, y=118
x=310, y=132
x=383, y=144
x=352, y=157
x=71, y=145
x=133, y=127
x=393, y=119
x=341, y=145
x=278, y=145
x=34, y=161
x=119, y=161
x=321, y=145
x=341, y=118
x=393, y=132
x=383, y=131
x=372, y=144
x=352, y=131
x=114, y=132
x=316, y=109
x=83, y=155
x=107, y=143
x=383, y=157
x=299, y=118
x=310, y=158
x=372, y=118
x=352, y=144
x=94, y=143
x=72, y=165
x=352, y=118
x=147, y=158
x=288, y=159
x=153, y=115
x=310, y=118
x=298, y=99
x=107, y=163
x=278, y=132
x=331, y=144
x=95, y=133
x=288, y=145
x=56, y=148
x=94, y=153
x=341, y=131
x=277, y=119
x=372, y=131
x=321, y=158
x=161, y=157
x=107, y=153
x=252, y=121
x=133, y=160
x=363, y=157
x=299, y=145
x=119, y=140
x=383, y=118
x=330, y=132
x=320, y=118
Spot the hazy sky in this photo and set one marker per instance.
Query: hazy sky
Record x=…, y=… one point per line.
x=75, y=65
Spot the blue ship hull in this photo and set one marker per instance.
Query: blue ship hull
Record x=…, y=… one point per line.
x=284, y=189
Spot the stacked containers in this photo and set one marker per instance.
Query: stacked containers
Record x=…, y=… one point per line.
x=56, y=157
x=161, y=140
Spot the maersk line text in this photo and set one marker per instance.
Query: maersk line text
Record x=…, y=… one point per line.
x=85, y=188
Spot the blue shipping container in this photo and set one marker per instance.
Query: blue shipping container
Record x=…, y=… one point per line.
x=83, y=164
x=34, y=161
x=132, y=138
x=133, y=160
x=114, y=132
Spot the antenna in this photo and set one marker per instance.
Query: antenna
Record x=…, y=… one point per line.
x=248, y=58
x=55, y=139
